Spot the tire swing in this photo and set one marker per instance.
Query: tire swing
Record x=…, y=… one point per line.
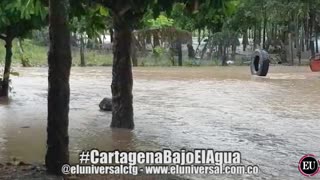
x=260, y=63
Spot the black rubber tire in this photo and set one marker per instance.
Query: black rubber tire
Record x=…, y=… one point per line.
x=260, y=63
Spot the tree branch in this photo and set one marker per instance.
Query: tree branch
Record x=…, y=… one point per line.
x=2, y=37
x=124, y=10
x=107, y=3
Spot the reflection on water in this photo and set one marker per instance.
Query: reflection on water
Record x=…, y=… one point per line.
x=273, y=121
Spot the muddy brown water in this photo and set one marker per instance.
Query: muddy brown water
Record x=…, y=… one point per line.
x=272, y=121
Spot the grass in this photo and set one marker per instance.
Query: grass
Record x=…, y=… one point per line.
x=165, y=60
x=37, y=55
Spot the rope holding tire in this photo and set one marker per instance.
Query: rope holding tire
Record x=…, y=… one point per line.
x=260, y=63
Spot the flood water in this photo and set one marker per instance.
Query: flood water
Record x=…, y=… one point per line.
x=272, y=121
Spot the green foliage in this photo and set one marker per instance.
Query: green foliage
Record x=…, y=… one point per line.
x=27, y=8
x=92, y=21
x=211, y=14
x=182, y=19
x=18, y=17
x=160, y=22
x=246, y=16
x=158, y=51
x=280, y=12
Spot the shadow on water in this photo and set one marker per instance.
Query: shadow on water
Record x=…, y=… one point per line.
x=272, y=121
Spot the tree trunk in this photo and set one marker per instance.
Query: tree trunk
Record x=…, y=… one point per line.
x=264, y=29
x=291, y=48
x=276, y=32
x=234, y=50
x=220, y=51
x=317, y=45
x=179, y=49
x=224, y=56
x=259, y=35
x=199, y=36
x=191, y=53
x=254, y=37
x=59, y=61
x=24, y=60
x=302, y=40
x=306, y=30
x=245, y=40
x=148, y=38
x=199, y=40
x=311, y=28
x=82, y=58
x=156, y=39
x=111, y=35
x=312, y=48
x=172, y=54
x=283, y=50
x=204, y=50
x=7, y=68
x=298, y=42
x=296, y=33
x=272, y=31
x=122, y=103
x=142, y=40
x=134, y=50
x=100, y=40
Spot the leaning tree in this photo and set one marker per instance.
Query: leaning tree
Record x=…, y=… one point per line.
x=17, y=18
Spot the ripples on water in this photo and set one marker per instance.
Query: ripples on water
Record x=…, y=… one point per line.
x=273, y=121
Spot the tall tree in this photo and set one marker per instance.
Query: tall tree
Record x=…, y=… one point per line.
x=59, y=61
x=122, y=98
x=125, y=15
